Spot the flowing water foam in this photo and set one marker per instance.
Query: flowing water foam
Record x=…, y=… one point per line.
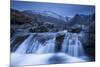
x=31, y=51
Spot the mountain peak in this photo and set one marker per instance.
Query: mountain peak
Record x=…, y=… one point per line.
x=46, y=13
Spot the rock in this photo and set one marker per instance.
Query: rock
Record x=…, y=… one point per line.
x=59, y=40
x=39, y=29
x=90, y=42
x=75, y=29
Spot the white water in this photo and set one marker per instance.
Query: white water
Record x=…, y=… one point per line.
x=22, y=48
x=36, y=59
x=72, y=45
x=48, y=48
x=32, y=51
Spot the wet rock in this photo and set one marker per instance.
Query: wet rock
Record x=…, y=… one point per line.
x=59, y=40
x=16, y=42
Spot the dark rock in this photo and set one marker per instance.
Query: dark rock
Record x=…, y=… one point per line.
x=90, y=42
x=17, y=17
x=16, y=43
x=59, y=41
x=75, y=30
x=39, y=29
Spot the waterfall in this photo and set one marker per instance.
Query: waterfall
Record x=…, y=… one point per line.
x=51, y=47
x=71, y=44
x=32, y=45
x=48, y=48
x=23, y=47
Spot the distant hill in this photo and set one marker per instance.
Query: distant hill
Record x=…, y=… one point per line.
x=36, y=21
x=18, y=17
x=47, y=16
x=82, y=19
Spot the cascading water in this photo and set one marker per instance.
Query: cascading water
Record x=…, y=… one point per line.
x=72, y=45
x=48, y=48
x=44, y=46
x=23, y=47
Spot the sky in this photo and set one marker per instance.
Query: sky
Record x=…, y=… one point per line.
x=61, y=9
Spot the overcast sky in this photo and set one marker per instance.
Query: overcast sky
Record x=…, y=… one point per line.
x=61, y=9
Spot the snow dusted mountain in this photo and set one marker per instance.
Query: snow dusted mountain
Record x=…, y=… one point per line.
x=82, y=19
x=46, y=14
x=47, y=21
x=53, y=14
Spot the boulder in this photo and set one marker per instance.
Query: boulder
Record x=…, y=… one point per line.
x=59, y=40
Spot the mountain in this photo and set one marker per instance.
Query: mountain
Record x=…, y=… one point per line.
x=17, y=17
x=81, y=19
x=67, y=19
x=29, y=21
x=52, y=14
x=45, y=13
x=37, y=21
x=47, y=16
